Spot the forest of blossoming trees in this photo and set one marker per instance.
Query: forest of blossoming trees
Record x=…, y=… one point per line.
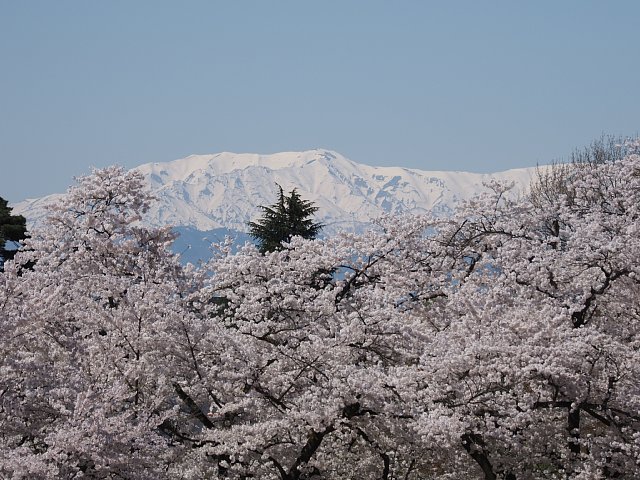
x=500, y=343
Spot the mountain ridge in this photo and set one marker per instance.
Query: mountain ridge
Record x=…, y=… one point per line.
x=225, y=190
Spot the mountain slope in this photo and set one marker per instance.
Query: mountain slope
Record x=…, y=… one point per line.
x=209, y=192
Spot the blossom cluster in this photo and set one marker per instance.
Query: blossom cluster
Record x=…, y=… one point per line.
x=500, y=343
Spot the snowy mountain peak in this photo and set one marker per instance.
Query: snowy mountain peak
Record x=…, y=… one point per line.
x=227, y=162
x=224, y=190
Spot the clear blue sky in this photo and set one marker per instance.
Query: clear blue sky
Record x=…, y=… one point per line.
x=478, y=86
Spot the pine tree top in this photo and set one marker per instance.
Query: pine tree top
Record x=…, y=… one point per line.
x=290, y=216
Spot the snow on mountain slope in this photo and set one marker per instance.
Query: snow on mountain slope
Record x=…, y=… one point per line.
x=224, y=190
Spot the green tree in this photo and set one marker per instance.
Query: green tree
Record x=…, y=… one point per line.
x=290, y=216
x=13, y=228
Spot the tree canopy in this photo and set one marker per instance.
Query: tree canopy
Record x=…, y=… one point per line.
x=479, y=346
x=290, y=216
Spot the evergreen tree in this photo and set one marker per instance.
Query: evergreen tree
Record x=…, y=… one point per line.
x=12, y=229
x=290, y=216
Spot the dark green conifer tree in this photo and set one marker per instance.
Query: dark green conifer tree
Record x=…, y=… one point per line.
x=290, y=216
x=13, y=229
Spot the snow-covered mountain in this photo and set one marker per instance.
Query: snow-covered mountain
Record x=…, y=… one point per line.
x=224, y=190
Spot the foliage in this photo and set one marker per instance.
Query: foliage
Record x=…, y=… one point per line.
x=83, y=383
x=554, y=181
x=290, y=216
x=13, y=228
x=480, y=346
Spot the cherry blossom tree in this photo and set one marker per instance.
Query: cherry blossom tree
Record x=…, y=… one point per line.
x=537, y=373
x=309, y=381
x=83, y=384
